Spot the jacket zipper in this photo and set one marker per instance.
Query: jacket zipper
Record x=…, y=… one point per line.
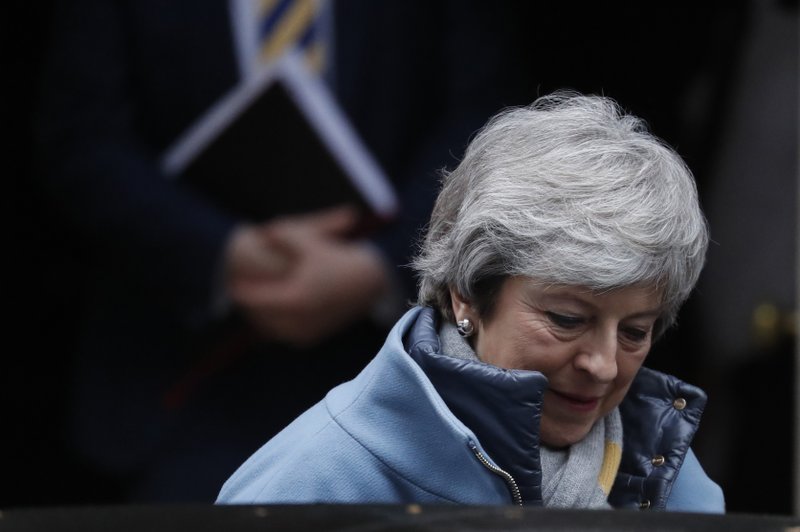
x=509, y=480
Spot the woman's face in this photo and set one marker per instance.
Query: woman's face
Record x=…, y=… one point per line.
x=588, y=344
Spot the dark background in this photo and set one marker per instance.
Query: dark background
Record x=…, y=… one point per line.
x=718, y=81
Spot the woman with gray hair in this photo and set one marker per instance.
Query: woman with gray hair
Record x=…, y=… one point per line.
x=561, y=246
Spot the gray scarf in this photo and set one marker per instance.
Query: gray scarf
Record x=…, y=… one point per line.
x=580, y=476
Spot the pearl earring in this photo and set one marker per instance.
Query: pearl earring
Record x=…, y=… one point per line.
x=465, y=328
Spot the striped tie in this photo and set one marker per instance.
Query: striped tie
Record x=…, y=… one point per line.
x=287, y=23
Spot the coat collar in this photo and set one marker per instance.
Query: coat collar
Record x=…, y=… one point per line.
x=502, y=407
x=394, y=411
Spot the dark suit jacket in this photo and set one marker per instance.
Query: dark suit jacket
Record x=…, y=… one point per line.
x=164, y=394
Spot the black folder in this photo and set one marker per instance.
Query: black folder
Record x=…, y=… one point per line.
x=278, y=144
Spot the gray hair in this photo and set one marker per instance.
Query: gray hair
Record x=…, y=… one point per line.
x=569, y=190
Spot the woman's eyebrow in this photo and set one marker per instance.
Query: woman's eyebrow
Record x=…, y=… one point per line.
x=568, y=298
x=588, y=304
x=654, y=313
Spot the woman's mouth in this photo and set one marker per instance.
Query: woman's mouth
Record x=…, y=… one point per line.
x=582, y=403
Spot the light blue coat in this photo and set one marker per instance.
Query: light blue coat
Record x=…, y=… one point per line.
x=387, y=436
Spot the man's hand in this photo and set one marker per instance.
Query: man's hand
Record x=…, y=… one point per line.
x=251, y=257
x=314, y=280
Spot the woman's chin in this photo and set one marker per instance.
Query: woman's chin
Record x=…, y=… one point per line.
x=559, y=436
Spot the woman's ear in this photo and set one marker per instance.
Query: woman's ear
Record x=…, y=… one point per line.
x=461, y=307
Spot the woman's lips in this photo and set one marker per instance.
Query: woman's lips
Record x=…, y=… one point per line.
x=582, y=403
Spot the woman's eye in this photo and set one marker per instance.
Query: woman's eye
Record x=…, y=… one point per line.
x=635, y=335
x=564, y=321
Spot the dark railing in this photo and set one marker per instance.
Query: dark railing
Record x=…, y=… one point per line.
x=158, y=518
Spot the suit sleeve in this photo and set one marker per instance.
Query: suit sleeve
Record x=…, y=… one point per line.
x=100, y=170
x=450, y=65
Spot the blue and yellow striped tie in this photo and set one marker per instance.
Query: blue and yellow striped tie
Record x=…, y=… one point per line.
x=291, y=23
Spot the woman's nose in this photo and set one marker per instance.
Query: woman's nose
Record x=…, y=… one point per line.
x=598, y=356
